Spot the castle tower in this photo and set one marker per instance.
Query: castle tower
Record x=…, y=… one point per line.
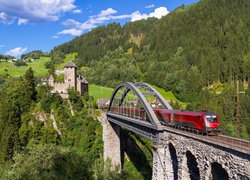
x=70, y=74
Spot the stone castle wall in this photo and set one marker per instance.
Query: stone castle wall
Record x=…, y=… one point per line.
x=60, y=87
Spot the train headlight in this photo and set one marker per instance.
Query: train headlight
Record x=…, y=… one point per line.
x=207, y=124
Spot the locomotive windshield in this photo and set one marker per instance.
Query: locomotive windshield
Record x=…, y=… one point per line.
x=211, y=118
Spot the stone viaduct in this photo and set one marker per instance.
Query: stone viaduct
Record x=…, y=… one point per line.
x=177, y=154
x=182, y=157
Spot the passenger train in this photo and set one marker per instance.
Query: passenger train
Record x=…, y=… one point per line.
x=200, y=122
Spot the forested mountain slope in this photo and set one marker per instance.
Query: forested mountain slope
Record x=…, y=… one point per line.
x=187, y=51
x=213, y=35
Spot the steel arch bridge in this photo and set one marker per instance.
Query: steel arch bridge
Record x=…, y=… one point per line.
x=132, y=107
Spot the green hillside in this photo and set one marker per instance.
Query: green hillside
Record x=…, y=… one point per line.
x=189, y=52
x=37, y=66
x=100, y=92
x=105, y=92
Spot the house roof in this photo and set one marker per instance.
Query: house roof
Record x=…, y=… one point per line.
x=44, y=79
x=82, y=79
x=70, y=64
x=103, y=101
x=132, y=101
x=51, y=77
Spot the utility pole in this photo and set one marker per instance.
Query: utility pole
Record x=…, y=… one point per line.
x=238, y=110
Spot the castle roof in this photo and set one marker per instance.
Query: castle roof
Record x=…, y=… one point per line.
x=70, y=64
x=44, y=79
x=82, y=79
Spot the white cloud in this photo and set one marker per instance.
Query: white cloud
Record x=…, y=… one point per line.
x=107, y=12
x=33, y=11
x=55, y=37
x=87, y=26
x=16, y=51
x=5, y=19
x=150, y=6
x=1, y=45
x=73, y=32
x=77, y=11
x=138, y=16
x=159, y=12
x=77, y=28
x=22, y=21
x=93, y=21
x=71, y=22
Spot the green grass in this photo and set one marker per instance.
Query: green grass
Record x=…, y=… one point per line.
x=37, y=66
x=167, y=95
x=100, y=92
x=104, y=92
x=66, y=60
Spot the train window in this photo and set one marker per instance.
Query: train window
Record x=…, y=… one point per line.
x=199, y=117
x=211, y=118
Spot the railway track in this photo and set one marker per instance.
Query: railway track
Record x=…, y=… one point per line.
x=232, y=142
x=237, y=144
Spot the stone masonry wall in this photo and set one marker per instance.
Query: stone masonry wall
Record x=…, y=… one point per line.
x=236, y=166
x=111, y=138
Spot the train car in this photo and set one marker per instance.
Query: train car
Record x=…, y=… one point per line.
x=135, y=112
x=200, y=122
x=204, y=122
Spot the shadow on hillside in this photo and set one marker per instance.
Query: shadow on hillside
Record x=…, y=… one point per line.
x=135, y=153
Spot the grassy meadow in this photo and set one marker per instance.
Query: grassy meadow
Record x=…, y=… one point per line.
x=100, y=92
x=37, y=66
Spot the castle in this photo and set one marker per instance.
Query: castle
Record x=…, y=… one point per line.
x=71, y=79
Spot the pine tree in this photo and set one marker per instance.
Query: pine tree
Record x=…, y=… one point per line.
x=31, y=83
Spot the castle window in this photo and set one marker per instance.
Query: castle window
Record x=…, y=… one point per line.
x=69, y=79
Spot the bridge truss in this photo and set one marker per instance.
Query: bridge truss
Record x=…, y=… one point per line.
x=131, y=106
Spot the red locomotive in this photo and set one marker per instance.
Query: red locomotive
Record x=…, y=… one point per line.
x=199, y=122
x=204, y=122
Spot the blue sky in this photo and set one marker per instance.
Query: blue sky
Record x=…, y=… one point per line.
x=28, y=25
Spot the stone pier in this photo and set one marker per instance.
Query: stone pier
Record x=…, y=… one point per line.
x=162, y=163
x=111, y=138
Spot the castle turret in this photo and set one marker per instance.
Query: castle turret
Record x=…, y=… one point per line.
x=70, y=74
x=51, y=80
